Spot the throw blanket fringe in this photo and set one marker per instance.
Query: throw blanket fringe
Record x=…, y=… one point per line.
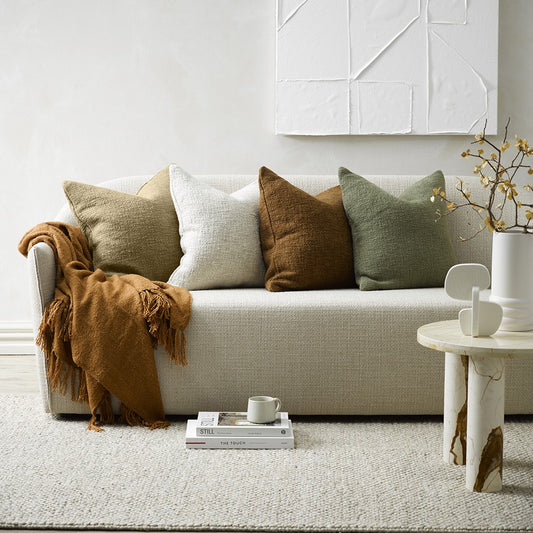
x=156, y=311
x=105, y=410
x=130, y=417
x=53, y=339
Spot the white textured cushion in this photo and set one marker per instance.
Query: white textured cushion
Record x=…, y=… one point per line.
x=219, y=234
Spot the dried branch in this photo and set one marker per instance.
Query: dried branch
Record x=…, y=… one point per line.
x=500, y=180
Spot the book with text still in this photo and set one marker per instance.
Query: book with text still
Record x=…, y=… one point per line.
x=227, y=424
x=193, y=441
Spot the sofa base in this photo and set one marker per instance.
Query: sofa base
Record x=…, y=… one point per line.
x=333, y=352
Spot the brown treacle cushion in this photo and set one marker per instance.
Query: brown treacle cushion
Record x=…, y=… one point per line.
x=305, y=239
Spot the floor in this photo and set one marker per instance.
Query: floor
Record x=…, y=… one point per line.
x=18, y=374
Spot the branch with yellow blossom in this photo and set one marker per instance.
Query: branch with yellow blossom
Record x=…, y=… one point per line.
x=499, y=178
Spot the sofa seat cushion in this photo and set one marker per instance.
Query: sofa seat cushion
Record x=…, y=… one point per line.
x=340, y=351
x=330, y=300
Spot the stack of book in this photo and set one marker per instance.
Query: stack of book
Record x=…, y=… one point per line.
x=232, y=430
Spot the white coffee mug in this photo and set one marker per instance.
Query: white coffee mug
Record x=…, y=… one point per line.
x=262, y=409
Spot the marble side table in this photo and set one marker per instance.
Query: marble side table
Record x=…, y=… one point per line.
x=474, y=387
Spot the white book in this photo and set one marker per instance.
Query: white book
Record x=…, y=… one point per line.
x=235, y=424
x=192, y=441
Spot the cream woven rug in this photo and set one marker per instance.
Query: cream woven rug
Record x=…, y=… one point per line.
x=359, y=474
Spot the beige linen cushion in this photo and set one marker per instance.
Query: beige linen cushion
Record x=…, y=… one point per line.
x=219, y=234
x=129, y=233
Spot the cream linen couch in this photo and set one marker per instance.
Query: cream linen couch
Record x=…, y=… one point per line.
x=321, y=352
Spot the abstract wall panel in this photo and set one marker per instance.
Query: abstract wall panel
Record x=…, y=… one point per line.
x=348, y=67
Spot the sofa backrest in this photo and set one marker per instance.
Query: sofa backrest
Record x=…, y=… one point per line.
x=464, y=223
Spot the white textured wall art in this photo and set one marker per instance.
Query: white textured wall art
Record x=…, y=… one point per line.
x=386, y=67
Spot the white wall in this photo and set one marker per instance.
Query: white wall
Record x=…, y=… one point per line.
x=95, y=89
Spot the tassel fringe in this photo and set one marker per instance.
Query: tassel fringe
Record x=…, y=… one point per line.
x=54, y=339
x=105, y=411
x=130, y=417
x=156, y=312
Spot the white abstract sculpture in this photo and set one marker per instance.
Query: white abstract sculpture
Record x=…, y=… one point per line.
x=464, y=282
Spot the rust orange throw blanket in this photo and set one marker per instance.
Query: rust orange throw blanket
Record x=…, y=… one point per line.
x=99, y=333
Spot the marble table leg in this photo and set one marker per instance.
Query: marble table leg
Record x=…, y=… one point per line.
x=455, y=408
x=486, y=384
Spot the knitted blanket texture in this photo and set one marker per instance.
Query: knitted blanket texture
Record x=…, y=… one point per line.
x=99, y=332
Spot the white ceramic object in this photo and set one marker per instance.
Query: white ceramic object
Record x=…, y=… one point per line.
x=262, y=409
x=464, y=282
x=488, y=320
x=512, y=279
x=461, y=278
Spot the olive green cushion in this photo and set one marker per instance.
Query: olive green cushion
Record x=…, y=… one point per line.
x=398, y=242
x=129, y=233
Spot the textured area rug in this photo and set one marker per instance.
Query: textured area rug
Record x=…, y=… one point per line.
x=345, y=474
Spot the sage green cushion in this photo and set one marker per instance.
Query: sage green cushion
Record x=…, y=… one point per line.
x=129, y=233
x=398, y=242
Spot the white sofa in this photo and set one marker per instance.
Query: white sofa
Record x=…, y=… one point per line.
x=321, y=352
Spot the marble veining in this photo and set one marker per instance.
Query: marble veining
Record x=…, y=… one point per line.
x=460, y=427
x=455, y=409
x=496, y=376
x=486, y=391
x=491, y=463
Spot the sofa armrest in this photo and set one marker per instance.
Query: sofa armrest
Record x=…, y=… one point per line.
x=42, y=277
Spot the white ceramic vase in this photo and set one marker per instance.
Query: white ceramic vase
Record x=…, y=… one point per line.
x=512, y=279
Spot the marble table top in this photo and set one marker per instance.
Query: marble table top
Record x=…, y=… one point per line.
x=446, y=336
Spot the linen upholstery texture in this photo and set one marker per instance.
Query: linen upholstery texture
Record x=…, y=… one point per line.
x=373, y=364
x=344, y=352
x=219, y=234
x=306, y=240
x=398, y=242
x=42, y=278
x=129, y=233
